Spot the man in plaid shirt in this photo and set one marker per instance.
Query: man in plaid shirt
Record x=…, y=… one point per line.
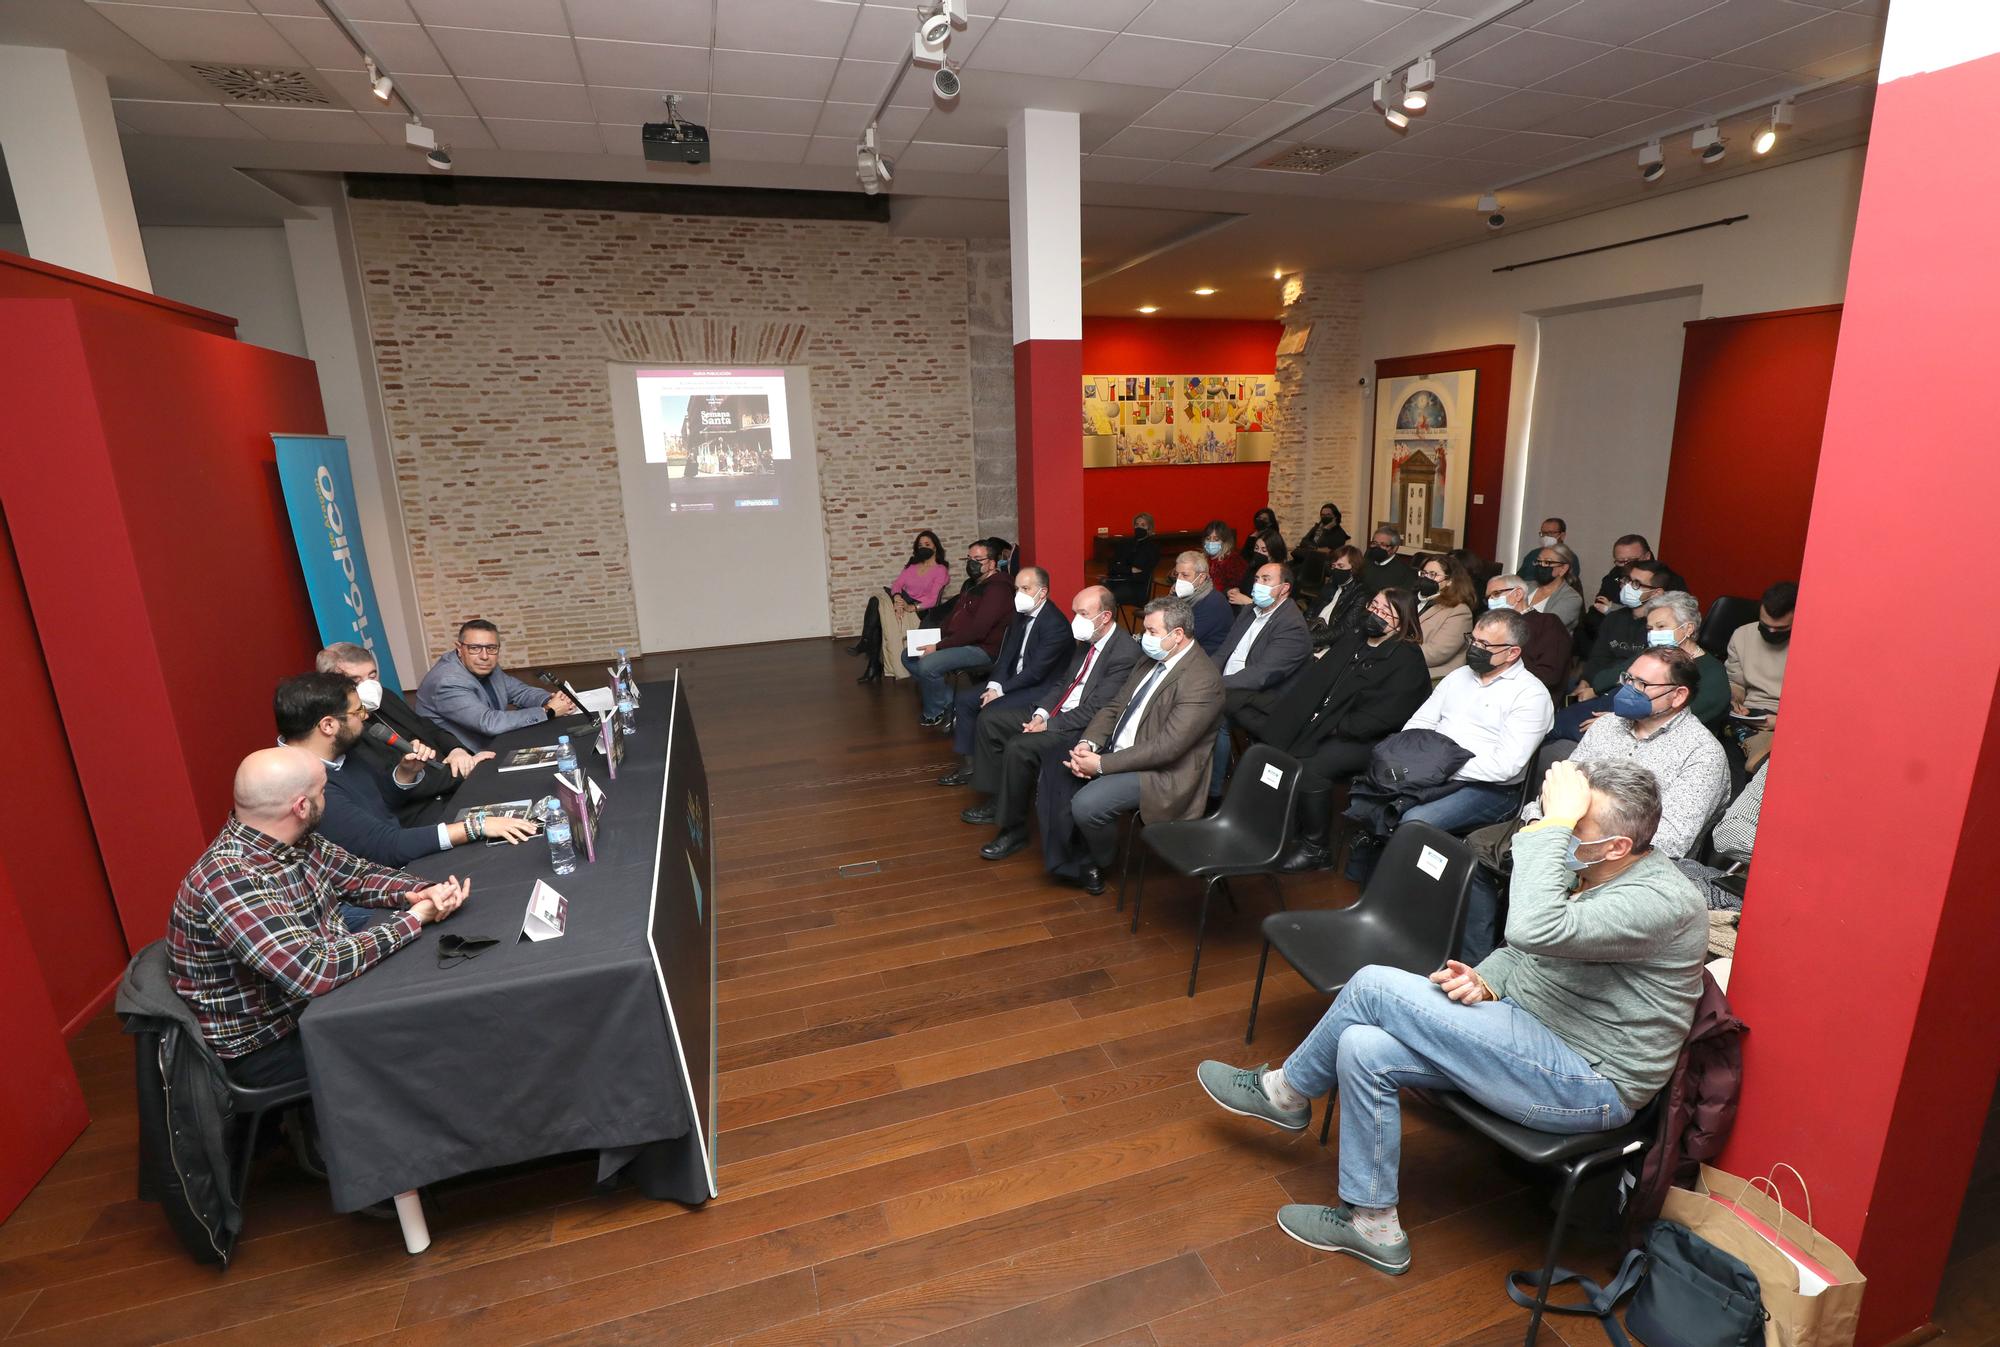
x=256, y=932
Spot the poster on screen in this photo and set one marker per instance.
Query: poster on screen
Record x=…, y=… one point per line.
x=1423, y=455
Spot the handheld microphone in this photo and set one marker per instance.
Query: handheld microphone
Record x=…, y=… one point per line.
x=387, y=737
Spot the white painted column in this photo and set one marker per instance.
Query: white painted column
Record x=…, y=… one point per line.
x=1045, y=225
x=66, y=165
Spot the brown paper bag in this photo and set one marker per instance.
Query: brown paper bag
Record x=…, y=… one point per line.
x=1727, y=1212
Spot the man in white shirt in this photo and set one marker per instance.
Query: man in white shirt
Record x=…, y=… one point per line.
x=1267, y=645
x=1011, y=744
x=1495, y=709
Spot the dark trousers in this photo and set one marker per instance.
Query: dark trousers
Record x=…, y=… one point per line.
x=1005, y=762
x=1329, y=766
x=1055, y=789
x=965, y=728
x=277, y=1064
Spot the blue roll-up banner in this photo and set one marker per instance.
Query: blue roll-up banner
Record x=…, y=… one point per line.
x=319, y=496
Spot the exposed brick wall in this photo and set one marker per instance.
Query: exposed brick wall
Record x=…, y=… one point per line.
x=1320, y=454
x=492, y=326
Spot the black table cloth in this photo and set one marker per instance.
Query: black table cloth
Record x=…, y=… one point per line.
x=421, y=1072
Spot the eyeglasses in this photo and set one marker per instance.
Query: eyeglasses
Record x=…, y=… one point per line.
x=1632, y=680
x=456, y=948
x=492, y=649
x=1488, y=646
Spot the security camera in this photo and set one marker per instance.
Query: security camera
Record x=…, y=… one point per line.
x=1495, y=220
x=945, y=83
x=1489, y=206
x=440, y=159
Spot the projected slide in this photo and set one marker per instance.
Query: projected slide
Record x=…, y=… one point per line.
x=721, y=436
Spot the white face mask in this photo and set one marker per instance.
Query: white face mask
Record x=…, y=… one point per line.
x=369, y=690
x=1184, y=588
x=1631, y=595
x=1154, y=646
x=1550, y=540
x=1082, y=628
x=1024, y=602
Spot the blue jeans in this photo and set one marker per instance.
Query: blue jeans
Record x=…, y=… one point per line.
x=930, y=670
x=1470, y=806
x=1389, y=1028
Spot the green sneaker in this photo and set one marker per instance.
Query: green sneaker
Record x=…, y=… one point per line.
x=1333, y=1229
x=1242, y=1091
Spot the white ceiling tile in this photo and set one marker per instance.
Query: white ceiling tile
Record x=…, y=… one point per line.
x=681, y=23
x=530, y=100
x=352, y=88
x=863, y=82
x=1620, y=21
x=1530, y=148
x=371, y=11
x=1395, y=164
x=926, y=156
x=946, y=126
x=1538, y=12
x=1144, y=142
x=761, y=147
x=208, y=120
x=1327, y=28
x=1613, y=73
x=406, y=47
x=321, y=125
x=1218, y=150
x=1116, y=168
x=1527, y=58
x=1333, y=81
x=1205, y=20
x=772, y=75
x=1163, y=63
x=1524, y=110
x=882, y=33
x=320, y=41
x=1364, y=132
x=798, y=27
x=620, y=139
x=849, y=120
x=547, y=137
x=1453, y=98
x=1255, y=74
x=456, y=133
x=1268, y=120
x=1843, y=63
x=1469, y=46
x=1407, y=40
x=1604, y=117
x=1037, y=48
x=267, y=8
x=633, y=106
x=831, y=152
x=734, y=112
x=480, y=53
x=437, y=95
x=1197, y=112
x=1729, y=25
x=643, y=65
x=1449, y=140
x=240, y=5
x=511, y=16
x=1696, y=85
x=203, y=35
x=1809, y=43
x=1111, y=15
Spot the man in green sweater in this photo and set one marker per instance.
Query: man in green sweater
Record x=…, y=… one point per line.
x=1573, y=1026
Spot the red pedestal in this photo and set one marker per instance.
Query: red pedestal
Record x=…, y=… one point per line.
x=1048, y=459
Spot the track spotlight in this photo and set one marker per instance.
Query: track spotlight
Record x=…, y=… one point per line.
x=1417, y=81
x=1393, y=115
x=874, y=171
x=439, y=159
x=935, y=20
x=1652, y=161
x=1781, y=115
x=1489, y=206
x=1708, y=143
x=378, y=82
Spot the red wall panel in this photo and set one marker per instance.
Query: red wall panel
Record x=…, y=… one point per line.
x=1179, y=498
x=1491, y=395
x=25, y=278
x=42, y=1109
x=1747, y=434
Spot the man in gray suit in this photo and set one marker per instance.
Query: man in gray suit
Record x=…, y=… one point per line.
x=1010, y=749
x=1268, y=644
x=469, y=692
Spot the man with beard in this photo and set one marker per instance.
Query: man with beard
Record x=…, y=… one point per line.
x=255, y=930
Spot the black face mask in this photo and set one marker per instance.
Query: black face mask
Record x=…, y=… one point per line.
x=1774, y=635
x=1378, y=555
x=1374, y=624
x=973, y=569
x=1479, y=659
x=1426, y=587
x=1543, y=573
x=924, y=554
x=1337, y=577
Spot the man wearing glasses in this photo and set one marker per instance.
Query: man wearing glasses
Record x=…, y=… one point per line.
x=468, y=691
x=1650, y=724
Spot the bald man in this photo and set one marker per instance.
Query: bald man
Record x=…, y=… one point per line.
x=256, y=932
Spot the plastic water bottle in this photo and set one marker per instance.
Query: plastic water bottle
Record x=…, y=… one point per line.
x=565, y=754
x=555, y=825
x=627, y=722
x=627, y=682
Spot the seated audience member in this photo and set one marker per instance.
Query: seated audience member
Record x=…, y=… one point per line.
x=1262, y=524
x=915, y=590
x=1734, y=838
x=1652, y=723
x=1315, y=551
x=1555, y=533
x=255, y=930
x=1574, y=1027
x=1555, y=591
x=1479, y=568
x=1266, y=646
x=1004, y=559
x=1011, y=747
x=1547, y=651
x=1262, y=549
x=321, y=714
x=970, y=636
x=1129, y=575
x=1347, y=698
x=1226, y=567
x=1386, y=567
x=1756, y=669
x=1494, y=709
x=1444, y=609
x=1342, y=597
x=1671, y=619
x=1147, y=749
x=1621, y=633
x=426, y=738
x=1628, y=549
x=1035, y=644
x=469, y=693
x=1212, y=616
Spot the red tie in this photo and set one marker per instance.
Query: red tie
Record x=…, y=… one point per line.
x=1074, y=683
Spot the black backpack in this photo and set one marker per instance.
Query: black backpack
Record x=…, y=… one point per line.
x=1685, y=1293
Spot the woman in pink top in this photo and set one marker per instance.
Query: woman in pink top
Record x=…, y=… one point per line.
x=917, y=590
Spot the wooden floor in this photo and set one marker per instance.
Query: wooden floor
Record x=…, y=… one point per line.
x=958, y=1107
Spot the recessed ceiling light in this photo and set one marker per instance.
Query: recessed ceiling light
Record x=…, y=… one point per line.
x=1205, y=290
x=1149, y=308
x=1278, y=275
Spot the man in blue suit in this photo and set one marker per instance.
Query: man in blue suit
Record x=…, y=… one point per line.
x=1037, y=641
x=469, y=692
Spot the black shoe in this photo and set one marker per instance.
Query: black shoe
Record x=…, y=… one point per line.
x=979, y=813
x=871, y=674
x=1005, y=845
x=1307, y=855
x=932, y=722
x=860, y=647
x=1090, y=879
x=961, y=776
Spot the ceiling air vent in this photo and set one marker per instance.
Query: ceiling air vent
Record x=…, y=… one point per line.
x=263, y=87
x=1309, y=159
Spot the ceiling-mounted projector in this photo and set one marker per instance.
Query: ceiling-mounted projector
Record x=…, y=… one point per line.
x=674, y=141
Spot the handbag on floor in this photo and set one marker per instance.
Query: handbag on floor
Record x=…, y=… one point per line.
x=1685, y=1293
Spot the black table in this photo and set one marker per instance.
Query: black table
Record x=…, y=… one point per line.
x=421, y=1072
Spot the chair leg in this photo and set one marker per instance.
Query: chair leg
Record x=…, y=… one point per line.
x=1278, y=892
x=1200, y=929
x=242, y=1175
x=1138, y=892
x=1571, y=1175
x=1229, y=893
x=1257, y=992
x=1125, y=869
x=1326, y=1123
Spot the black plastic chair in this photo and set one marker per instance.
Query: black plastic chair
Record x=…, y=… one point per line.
x=1247, y=835
x=1573, y=1156
x=1725, y=615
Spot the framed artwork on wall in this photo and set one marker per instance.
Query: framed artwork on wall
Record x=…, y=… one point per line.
x=1423, y=457
x=1158, y=420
